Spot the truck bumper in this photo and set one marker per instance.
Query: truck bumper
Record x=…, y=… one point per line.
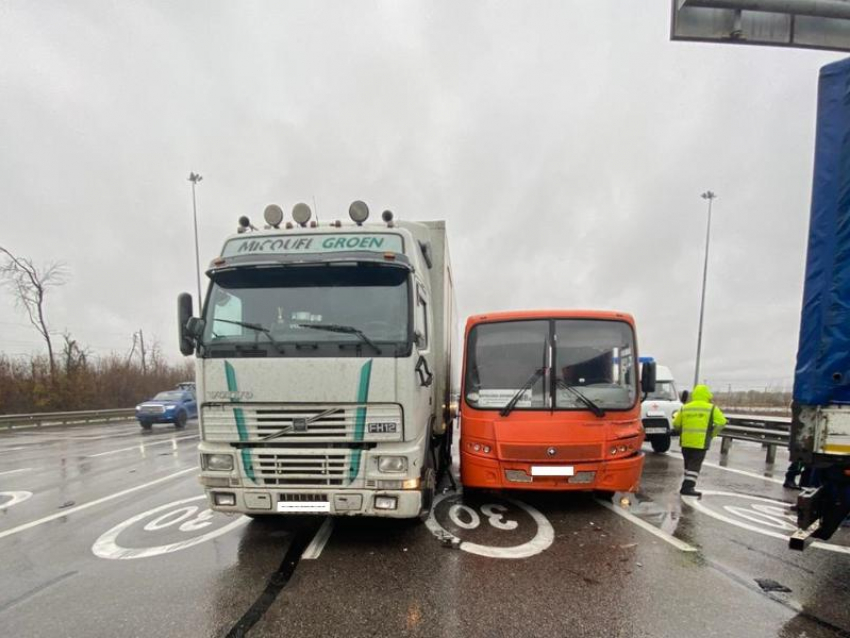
x=332, y=502
x=619, y=475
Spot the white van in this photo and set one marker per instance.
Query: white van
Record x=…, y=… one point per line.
x=659, y=408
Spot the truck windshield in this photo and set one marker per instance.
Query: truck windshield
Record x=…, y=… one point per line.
x=586, y=358
x=270, y=312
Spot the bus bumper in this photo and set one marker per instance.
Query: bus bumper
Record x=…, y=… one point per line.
x=616, y=475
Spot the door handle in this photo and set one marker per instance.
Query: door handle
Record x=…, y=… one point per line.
x=426, y=377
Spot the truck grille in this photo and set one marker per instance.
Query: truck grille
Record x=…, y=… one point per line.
x=297, y=468
x=590, y=452
x=307, y=423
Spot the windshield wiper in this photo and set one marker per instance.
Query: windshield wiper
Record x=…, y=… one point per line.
x=349, y=330
x=258, y=328
x=505, y=411
x=590, y=404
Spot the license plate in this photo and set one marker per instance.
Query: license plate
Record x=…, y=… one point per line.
x=552, y=470
x=655, y=430
x=303, y=506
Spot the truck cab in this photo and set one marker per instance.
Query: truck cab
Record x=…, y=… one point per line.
x=659, y=407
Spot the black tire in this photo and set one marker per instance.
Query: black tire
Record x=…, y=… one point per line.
x=180, y=419
x=604, y=495
x=429, y=490
x=660, y=443
x=146, y=425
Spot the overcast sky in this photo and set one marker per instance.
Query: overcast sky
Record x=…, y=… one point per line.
x=566, y=144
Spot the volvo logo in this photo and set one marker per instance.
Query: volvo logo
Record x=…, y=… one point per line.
x=551, y=451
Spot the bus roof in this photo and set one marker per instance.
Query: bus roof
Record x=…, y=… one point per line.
x=514, y=315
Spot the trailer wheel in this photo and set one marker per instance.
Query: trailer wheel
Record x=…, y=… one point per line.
x=660, y=443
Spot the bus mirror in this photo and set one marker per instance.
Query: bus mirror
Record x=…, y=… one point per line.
x=684, y=396
x=184, y=314
x=647, y=377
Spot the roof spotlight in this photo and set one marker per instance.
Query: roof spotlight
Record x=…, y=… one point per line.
x=273, y=214
x=387, y=216
x=301, y=213
x=244, y=224
x=359, y=212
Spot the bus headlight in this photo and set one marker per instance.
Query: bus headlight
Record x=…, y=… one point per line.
x=218, y=462
x=392, y=464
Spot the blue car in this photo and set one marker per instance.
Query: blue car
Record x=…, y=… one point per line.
x=172, y=406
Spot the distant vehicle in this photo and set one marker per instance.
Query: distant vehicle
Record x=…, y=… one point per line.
x=171, y=406
x=551, y=402
x=186, y=385
x=659, y=408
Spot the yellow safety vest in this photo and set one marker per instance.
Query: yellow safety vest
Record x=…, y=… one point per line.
x=699, y=422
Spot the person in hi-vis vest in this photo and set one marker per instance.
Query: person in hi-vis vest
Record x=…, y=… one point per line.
x=698, y=421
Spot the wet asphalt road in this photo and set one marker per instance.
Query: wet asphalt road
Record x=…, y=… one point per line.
x=103, y=532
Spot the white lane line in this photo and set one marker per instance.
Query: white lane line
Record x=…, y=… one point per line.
x=667, y=538
x=12, y=449
x=23, y=469
x=143, y=445
x=745, y=473
x=314, y=549
x=84, y=506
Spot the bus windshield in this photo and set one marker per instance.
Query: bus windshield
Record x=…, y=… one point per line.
x=588, y=358
x=309, y=311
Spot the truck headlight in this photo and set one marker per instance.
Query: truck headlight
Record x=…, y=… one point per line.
x=218, y=462
x=392, y=464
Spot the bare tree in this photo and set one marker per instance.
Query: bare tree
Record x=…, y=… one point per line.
x=29, y=284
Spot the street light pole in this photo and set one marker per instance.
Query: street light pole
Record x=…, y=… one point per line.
x=195, y=178
x=710, y=196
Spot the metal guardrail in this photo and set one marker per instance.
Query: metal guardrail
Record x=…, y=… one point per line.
x=770, y=431
x=47, y=419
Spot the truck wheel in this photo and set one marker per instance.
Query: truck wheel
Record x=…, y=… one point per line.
x=180, y=420
x=660, y=444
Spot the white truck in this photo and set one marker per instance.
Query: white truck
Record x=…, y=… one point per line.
x=659, y=408
x=324, y=359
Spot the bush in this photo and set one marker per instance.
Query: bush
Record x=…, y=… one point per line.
x=82, y=384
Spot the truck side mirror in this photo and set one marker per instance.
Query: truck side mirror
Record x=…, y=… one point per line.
x=647, y=377
x=184, y=314
x=684, y=396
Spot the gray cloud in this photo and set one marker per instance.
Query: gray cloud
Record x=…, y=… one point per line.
x=566, y=144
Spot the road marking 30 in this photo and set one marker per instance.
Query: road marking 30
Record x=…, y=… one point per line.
x=667, y=538
x=85, y=506
x=700, y=507
x=543, y=538
x=107, y=546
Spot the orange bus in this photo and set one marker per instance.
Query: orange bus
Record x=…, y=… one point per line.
x=550, y=400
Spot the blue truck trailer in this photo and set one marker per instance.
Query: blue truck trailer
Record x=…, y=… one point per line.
x=820, y=430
